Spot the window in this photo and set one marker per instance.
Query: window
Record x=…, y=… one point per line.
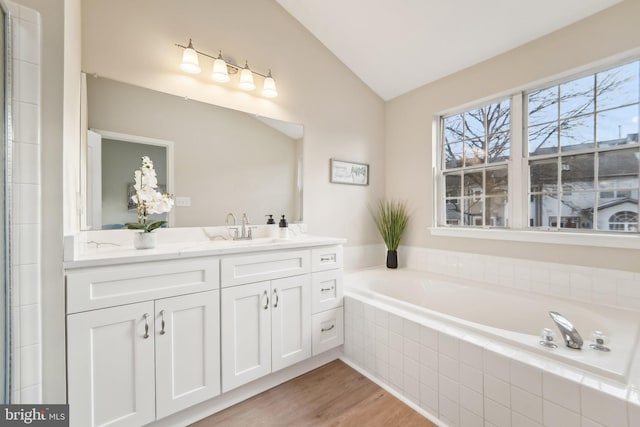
x=476, y=150
x=577, y=157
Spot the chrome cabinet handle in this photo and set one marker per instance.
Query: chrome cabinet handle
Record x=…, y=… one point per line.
x=327, y=289
x=266, y=304
x=327, y=329
x=146, y=326
x=162, y=331
x=329, y=258
x=275, y=295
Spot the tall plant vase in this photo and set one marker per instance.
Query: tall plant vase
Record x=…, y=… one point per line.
x=142, y=240
x=392, y=259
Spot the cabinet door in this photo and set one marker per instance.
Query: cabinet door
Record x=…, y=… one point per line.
x=290, y=321
x=246, y=334
x=110, y=366
x=187, y=342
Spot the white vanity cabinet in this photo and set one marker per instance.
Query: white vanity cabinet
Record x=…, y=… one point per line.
x=133, y=363
x=327, y=298
x=266, y=326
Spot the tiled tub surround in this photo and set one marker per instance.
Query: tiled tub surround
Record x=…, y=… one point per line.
x=465, y=378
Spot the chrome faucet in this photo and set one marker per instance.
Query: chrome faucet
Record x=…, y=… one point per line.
x=571, y=336
x=242, y=232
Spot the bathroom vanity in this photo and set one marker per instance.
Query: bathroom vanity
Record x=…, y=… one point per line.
x=151, y=333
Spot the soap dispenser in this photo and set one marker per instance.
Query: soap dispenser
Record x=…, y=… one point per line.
x=272, y=227
x=284, y=228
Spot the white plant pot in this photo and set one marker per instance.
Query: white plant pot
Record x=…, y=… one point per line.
x=142, y=240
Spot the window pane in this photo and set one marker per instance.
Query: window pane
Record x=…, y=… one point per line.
x=497, y=182
x=577, y=134
x=473, y=212
x=453, y=183
x=499, y=117
x=453, y=155
x=619, y=126
x=543, y=106
x=543, y=139
x=577, y=210
x=474, y=124
x=453, y=128
x=474, y=152
x=577, y=173
x=618, y=169
x=618, y=86
x=496, y=211
x=577, y=97
x=473, y=184
x=543, y=210
x=454, y=215
x=544, y=176
x=498, y=149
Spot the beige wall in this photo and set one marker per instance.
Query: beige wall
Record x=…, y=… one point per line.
x=409, y=131
x=133, y=42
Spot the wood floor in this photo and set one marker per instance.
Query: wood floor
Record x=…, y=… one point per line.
x=332, y=395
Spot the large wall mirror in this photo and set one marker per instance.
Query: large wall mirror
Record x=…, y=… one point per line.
x=213, y=159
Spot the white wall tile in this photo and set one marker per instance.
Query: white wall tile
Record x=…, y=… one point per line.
x=634, y=411
x=448, y=345
x=497, y=390
x=496, y=414
x=382, y=318
x=469, y=419
x=558, y=416
x=449, y=367
x=396, y=341
x=30, y=366
x=449, y=410
x=471, y=377
x=395, y=324
x=428, y=357
x=26, y=204
x=29, y=325
x=448, y=388
x=25, y=124
x=411, y=388
x=429, y=337
x=527, y=404
x=518, y=420
x=31, y=395
x=26, y=244
x=382, y=334
x=496, y=365
x=429, y=377
x=526, y=377
x=396, y=377
x=586, y=422
x=471, y=354
x=395, y=358
x=603, y=408
x=411, y=367
x=429, y=399
x=411, y=349
x=411, y=330
x=27, y=80
x=561, y=391
x=471, y=400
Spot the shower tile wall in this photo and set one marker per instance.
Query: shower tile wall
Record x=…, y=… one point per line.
x=26, y=212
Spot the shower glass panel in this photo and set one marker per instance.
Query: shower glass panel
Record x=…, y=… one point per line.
x=5, y=295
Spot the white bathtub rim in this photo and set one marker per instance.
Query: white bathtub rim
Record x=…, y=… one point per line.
x=605, y=384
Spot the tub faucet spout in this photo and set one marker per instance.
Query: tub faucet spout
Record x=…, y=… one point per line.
x=571, y=336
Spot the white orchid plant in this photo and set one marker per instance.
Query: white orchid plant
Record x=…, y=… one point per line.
x=148, y=199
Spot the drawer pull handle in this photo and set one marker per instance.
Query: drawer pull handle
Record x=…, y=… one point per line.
x=329, y=258
x=275, y=295
x=146, y=326
x=327, y=329
x=266, y=304
x=162, y=331
x=327, y=289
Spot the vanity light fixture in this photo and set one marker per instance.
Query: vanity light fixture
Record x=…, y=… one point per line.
x=223, y=68
x=190, y=60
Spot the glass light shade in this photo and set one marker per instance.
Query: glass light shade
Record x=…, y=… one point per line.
x=246, y=79
x=269, y=88
x=190, y=61
x=220, y=72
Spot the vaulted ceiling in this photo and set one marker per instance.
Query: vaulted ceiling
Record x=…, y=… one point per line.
x=395, y=46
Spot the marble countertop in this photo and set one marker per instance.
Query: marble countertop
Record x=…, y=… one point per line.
x=101, y=248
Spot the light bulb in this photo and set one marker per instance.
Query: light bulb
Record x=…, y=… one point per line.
x=269, y=88
x=220, y=72
x=246, y=78
x=190, y=60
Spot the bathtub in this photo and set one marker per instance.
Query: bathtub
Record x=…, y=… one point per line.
x=509, y=317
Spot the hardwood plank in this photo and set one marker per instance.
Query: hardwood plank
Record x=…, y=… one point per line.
x=332, y=395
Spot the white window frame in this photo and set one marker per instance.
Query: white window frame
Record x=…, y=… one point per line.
x=518, y=187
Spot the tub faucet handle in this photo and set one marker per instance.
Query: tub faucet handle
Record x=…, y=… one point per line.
x=600, y=341
x=548, y=337
x=571, y=336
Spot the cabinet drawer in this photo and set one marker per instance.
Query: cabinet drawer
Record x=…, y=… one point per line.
x=327, y=330
x=326, y=290
x=326, y=258
x=242, y=269
x=108, y=286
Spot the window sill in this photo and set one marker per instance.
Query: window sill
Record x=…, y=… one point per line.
x=628, y=241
